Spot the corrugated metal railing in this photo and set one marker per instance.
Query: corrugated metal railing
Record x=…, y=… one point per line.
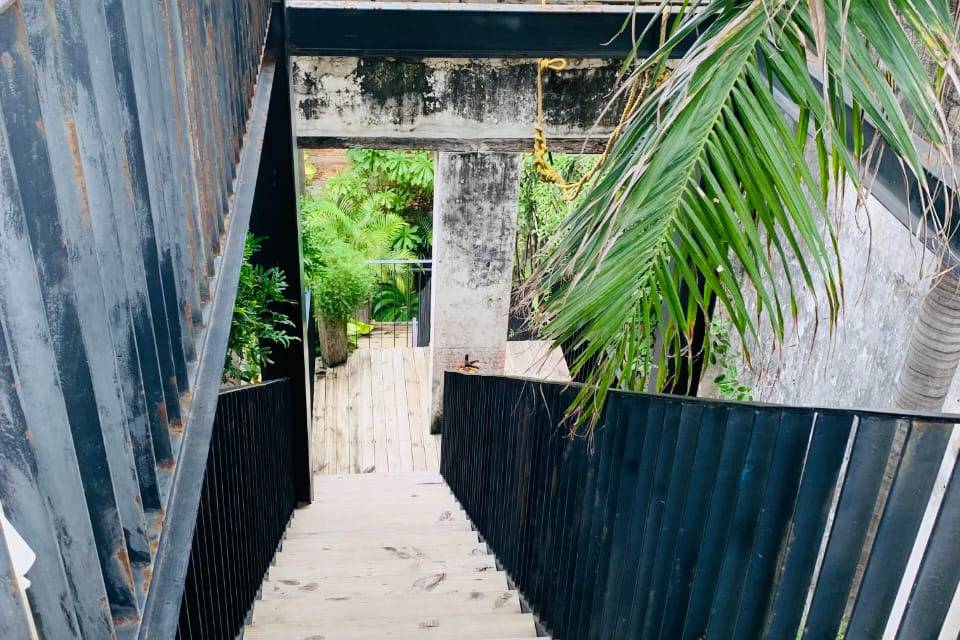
x=247, y=499
x=686, y=518
x=121, y=127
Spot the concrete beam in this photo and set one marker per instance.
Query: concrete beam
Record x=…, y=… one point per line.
x=451, y=104
x=474, y=224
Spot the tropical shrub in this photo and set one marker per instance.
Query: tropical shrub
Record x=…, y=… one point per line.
x=724, y=359
x=396, y=299
x=341, y=282
x=389, y=194
x=256, y=325
x=542, y=208
x=380, y=206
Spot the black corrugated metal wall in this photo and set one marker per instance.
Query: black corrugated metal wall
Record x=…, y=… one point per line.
x=123, y=123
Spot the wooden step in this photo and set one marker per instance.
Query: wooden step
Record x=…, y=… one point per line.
x=343, y=554
x=382, y=533
x=430, y=541
x=386, y=556
x=365, y=568
x=366, y=606
x=383, y=585
x=483, y=626
x=384, y=491
x=406, y=532
x=333, y=519
x=352, y=539
x=399, y=506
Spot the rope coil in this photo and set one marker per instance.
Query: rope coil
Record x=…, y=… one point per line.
x=541, y=149
x=639, y=86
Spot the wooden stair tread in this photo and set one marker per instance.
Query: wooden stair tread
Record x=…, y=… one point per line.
x=483, y=626
x=373, y=532
x=381, y=585
x=366, y=540
x=386, y=556
x=362, y=569
x=432, y=545
x=366, y=606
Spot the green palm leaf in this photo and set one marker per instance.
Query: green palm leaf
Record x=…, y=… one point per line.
x=709, y=192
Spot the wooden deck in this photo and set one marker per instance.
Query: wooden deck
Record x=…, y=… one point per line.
x=385, y=556
x=387, y=335
x=372, y=414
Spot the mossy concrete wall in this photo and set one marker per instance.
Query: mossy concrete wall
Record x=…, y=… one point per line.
x=450, y=104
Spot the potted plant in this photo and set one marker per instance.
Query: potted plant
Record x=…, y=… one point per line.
x=342, y=283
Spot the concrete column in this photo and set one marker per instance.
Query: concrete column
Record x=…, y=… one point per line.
x=474, y=226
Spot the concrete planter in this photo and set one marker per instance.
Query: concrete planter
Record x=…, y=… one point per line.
x=333, y=341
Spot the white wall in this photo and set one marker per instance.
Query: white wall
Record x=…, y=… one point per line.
x=885, y=275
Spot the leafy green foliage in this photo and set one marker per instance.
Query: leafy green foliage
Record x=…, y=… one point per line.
x=722, y=356
x=257, y=325
x=542, y=209
x=355, y=329
x=381, y=207
x=341, y=282
x=366, y=228
x=382, y=203
x=709, y=179
x=396, y=300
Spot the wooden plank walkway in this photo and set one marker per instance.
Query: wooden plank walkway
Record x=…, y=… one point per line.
x=372, y=413
x=385, y=556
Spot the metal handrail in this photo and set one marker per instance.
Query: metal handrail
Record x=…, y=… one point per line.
x=678, y=515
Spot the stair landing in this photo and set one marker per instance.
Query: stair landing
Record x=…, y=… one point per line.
x=371, y=414
x=385, y=556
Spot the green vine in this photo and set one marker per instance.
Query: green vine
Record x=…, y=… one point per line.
x=723, y=356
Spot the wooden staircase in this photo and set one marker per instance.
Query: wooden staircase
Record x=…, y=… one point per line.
x=385, y=556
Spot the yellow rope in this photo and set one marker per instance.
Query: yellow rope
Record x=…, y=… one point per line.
x=541, y=150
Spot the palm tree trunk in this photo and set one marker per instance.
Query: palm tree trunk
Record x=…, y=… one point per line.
x=934, y=350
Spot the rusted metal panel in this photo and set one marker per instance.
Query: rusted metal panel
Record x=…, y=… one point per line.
x=36, y=404
x=53, y=605
x=163, y=606
x=121, y=126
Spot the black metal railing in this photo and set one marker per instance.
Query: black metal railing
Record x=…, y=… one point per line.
x=422, y=334
x=247, y=499
x=393, y=316
x=688, y=518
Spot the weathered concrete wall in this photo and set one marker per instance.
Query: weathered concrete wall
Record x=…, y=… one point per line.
x=885, y=273
x=474, y=222
x=448, y=104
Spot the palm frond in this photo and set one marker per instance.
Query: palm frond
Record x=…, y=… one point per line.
x=709, y=189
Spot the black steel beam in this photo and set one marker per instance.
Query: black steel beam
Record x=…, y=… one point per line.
x=358, y=28
x=275, y=217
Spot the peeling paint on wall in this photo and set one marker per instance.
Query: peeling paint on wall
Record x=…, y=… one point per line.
x=441, y=98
